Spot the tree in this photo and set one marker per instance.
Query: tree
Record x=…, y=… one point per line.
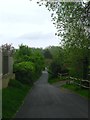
x=8, y=49
x=57, y=65
x=27, y=54
x=22, y=54
x=47, y=54
x=72, y=22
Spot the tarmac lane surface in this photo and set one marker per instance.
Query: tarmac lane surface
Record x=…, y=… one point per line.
x=48, y=101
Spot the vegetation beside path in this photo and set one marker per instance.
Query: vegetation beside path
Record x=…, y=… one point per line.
x=81, y=91
x=28, y=66
x=13, y=97
x=55, y=80
x=74, y=88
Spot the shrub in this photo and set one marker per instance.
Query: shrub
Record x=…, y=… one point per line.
x=24, y=72
x=56, y=68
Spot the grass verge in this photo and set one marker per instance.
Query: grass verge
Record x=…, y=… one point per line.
x=12, y=98
x=81, y=91
x=54, y=80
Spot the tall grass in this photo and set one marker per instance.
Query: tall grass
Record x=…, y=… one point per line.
x=12, y=98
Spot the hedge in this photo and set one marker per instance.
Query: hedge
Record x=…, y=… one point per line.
x=25, y=72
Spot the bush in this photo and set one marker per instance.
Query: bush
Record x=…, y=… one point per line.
x=56, y=68
x=25, y=72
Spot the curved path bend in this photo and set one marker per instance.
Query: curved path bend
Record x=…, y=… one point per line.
x=48, y=101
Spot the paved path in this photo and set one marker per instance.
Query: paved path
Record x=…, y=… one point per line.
x=48, y=101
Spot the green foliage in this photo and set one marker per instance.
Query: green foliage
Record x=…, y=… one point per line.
x=25, y=72
x=74, y=61
x=29, y=61
x=12, y=98
x=80, y=91
x=38, y=60
x=22, y=54
x=15, y=83
x=52, y=80
x=47, y=54
x=72, y=22
x=57, y=64
x=55, y=68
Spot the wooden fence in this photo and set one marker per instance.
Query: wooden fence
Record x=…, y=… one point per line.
x=79, y=82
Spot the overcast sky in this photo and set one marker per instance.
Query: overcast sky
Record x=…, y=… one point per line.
x=22, y=21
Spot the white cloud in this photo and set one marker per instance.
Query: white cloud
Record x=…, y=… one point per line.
x=22, y=20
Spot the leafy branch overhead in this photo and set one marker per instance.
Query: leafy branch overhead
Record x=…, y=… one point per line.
x=72, y=20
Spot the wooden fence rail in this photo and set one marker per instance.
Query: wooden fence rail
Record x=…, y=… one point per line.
x=77, y=81
x=80, y=82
